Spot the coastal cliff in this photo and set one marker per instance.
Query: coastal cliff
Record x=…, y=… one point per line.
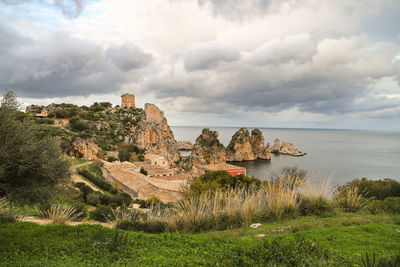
x=208, y=149
x=154, y=135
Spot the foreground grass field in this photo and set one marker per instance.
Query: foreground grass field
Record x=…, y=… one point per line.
x=313, y=241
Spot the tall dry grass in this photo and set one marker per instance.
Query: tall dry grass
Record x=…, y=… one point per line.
x=350, y=200
x=60, y=214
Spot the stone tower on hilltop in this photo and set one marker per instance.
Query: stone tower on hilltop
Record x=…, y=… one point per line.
x=127, y=101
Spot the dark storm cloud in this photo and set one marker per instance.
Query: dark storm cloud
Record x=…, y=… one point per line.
x=330, y=76
x=61, y=65
x=70, y=8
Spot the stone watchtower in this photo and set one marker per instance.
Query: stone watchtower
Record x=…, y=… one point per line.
x=127, y=101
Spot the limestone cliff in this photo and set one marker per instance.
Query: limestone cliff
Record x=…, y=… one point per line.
x=240, y=147
x=208, y=149
x=257, y=142
x=84, y=148
x=154, y=135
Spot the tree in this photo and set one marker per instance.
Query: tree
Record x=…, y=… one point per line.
x=30, y=165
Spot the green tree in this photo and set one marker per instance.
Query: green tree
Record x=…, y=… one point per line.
x=30, y=165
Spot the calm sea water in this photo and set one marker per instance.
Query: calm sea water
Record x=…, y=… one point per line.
x=349, y=154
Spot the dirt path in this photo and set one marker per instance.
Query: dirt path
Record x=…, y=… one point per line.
x=76, y=178
x=46, y=221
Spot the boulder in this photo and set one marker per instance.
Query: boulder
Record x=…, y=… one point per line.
x=84, y=148
x=240, y=147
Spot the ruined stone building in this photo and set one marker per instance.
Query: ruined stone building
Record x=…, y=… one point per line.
x=127, y=101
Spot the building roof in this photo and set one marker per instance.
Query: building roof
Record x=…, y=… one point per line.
x=220, y=167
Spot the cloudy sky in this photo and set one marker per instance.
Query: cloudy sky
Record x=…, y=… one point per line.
x=264, y=63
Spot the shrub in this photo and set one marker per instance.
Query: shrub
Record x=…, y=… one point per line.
x=314, y=206
x=154, y=226
x=101, y=213
x=7, y=215
x=213, y=181
x=98, y=181
x=112, y=159
x=378, y=189
x=143, y=171
x=93, y=199
x=392, y=205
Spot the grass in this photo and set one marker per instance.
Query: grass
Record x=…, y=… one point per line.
x=336, y=241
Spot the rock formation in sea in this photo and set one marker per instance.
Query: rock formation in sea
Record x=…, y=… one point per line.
x=240, y=148
x=288, y=148
x=257, y=142
x=277, y=146
x=84, y=148
x=208, y=149
x=185, y=145
x=154, y=135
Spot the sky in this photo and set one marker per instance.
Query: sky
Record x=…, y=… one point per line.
x=254, y=63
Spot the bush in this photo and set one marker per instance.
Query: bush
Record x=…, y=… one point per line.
x=314, y=206
x=378, y=189
x=111, y=159
x=154, y=227
x=101, y=213
x=143, y=171
x=392, y=205
x=98, y=181
x=93, y=199
x=212, y=181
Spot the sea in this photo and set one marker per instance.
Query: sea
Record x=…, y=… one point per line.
x=342, y=155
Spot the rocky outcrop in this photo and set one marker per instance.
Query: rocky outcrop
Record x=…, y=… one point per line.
x=185, y=145
x=84, y=148
x=257, y=142
x=208, y=149
x=154, y=135
x=288, y=148
x=240, y=148
x=277, y=146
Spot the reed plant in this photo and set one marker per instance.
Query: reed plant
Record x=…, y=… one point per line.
x=314, y=195
x=351, y=200
x=60, y=214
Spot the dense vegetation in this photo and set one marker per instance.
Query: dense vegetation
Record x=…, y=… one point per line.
x=109, y=127
x=31, y=163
